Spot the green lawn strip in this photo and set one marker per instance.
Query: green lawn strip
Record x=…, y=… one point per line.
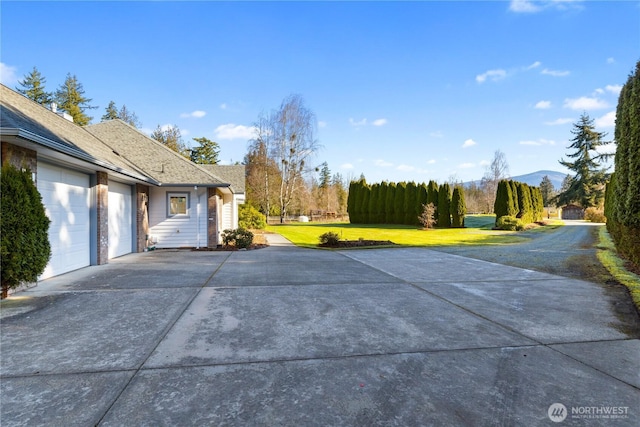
x=609, y=258
x=477, y=232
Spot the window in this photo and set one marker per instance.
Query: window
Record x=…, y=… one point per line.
x=177, y=204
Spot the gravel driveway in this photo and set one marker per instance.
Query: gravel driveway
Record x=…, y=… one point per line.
x=566, y=251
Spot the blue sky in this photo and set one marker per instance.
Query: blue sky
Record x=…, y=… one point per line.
x=401, y=90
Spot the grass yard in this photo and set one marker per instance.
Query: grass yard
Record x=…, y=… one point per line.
x=477, y=232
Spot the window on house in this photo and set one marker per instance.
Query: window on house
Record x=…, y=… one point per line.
x=177, y=204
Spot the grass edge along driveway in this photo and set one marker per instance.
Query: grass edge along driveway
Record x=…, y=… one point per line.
x=477, y=232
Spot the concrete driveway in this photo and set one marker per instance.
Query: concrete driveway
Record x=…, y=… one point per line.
x=284, y=336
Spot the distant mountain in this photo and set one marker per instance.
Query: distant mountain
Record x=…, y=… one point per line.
x=535, y=178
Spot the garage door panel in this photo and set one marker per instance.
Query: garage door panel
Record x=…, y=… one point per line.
x=65, y=195
x=120, y=219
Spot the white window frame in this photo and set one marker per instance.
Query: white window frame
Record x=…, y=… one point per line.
x=172, y=194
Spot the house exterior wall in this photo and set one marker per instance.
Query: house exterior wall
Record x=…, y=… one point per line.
x=142, y=217
x=102, y=210
x=180, y=231
x=213, y=229
x=20, y=157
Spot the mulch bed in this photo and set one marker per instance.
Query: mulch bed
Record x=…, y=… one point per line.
x=357, y=244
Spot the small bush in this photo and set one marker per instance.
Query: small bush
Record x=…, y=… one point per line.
x=594, y=215
x=509, y=223
x=250, y=218
x=329, y=238
x=428, y=216
x=240, y=238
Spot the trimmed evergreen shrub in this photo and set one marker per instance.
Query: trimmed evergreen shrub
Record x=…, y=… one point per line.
x=444, y=206
x=364, y=210
x=25, y=248
x=389, y=205
x=593, y=214
x=399, y=203
x=410, y=197
x=330, y=238
x=240, y=238
x=458, y=208
x=432, y=195
x=509, y=223
x=250, y=218
x=382, y=202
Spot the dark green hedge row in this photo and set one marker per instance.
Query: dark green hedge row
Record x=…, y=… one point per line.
x=622, y=198
x=518, y=200
x=401, y=203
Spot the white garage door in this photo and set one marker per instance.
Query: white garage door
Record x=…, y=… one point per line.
x=65, y=195
x=120, y=219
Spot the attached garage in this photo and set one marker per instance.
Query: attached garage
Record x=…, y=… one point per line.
x=65, y=195
x=120, y=219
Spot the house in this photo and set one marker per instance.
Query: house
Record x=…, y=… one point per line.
x=572, y=211
x=110, y=190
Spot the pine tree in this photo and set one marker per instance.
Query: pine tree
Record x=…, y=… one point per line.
x=587, y=185
x=33, y=88
x=171, y=137
x=547, y=190
x=111, y=112
x=70, y=98
x=206, y=153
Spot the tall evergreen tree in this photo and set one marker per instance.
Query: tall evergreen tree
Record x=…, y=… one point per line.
x=444, y=205
x=206, y=152
x=587, y=185
x=71, y=99
x=382, y=202
x=171, y=137
x=33, y=88
x=432, y=196
x=390, y=204
x=399, y=203
x=458, y=207
x=547, y=190
x=111, y=112
x=410, y=197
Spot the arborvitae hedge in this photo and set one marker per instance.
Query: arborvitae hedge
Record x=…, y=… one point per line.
x=622, y=202
x=444, y=206
x=399, y=203
x=25, y=248
x=525, y=203
x=458, y=207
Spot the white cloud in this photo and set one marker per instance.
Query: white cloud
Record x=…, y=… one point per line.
x=233, y=131
x=466, y=165
x=543, y=105
x=358, y=123
x=539, y=142
x=610, y=61
x=534, y=65
x=562, y=121
x=194, y=114
x=614, y=89
x=523, y=6
x=322, y=124
x=431, y=162
x=8, y=75
x=485, y=162
x=607, y=121
x=469, y=143
x=437, y=134
x=555, y=73
x=494, y=75
x=585, y=103
x=382, y=163
x=223, y=106
x=405, y=168
x=346, y=166
x=379, y=122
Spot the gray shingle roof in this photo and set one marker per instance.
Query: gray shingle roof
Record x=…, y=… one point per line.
x=153, y=158
x=37, y=122
x=233, y=174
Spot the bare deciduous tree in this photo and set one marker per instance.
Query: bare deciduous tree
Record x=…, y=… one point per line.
x=495, y=172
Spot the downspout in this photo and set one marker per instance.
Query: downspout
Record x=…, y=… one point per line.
x=197, y=217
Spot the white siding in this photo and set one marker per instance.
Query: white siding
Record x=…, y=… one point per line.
x=178, y=232
x=227, y=213
x=120, y=219
x=65, y=195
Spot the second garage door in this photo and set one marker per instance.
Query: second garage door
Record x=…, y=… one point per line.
x=120, y=219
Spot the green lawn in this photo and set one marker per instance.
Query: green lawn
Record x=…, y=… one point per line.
x=477, y=232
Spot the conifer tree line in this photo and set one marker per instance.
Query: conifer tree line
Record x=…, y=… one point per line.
x=403, y=203
x=518, y=200
x=622, y=198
